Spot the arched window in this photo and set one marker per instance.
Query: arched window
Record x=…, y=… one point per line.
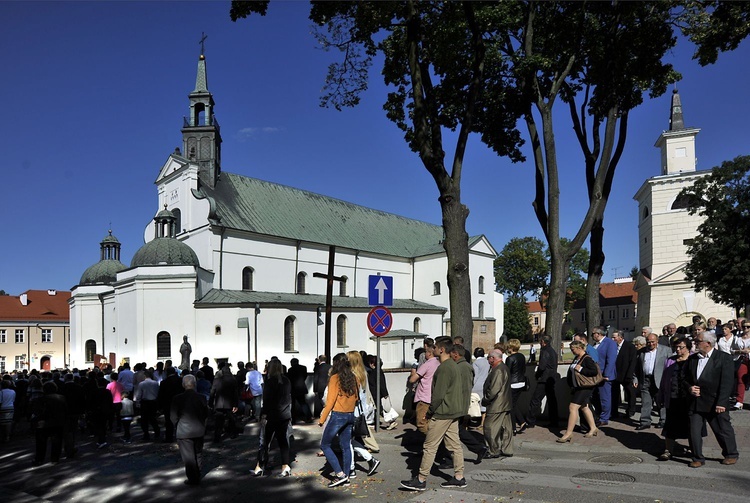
x=645, y=212
x=481, y=309
x=177, y=221
x=289, y=333
x=163, y=345
x=436, y=288
x=90, y=350
x=247, y=278
x=680, y=202
x=301, y=277
x=341, y=331
x=417, y=325
x=342, y=286
x=217, y=330
x=481, y=284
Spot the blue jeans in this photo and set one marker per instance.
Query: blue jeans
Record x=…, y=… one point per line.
x=339, y=423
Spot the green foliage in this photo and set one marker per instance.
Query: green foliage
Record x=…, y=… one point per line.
x=720, y=254
x=516, y=321
x=714, y=26
x=2, y=292
x=522, y=267
x=242, y=10
x=634, y=272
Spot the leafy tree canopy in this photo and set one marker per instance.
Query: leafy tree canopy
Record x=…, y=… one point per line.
x=719, y=260
x=516, y=322
x=522, y=267
x=714, y=26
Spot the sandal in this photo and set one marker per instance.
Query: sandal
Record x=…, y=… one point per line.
x=665, y=456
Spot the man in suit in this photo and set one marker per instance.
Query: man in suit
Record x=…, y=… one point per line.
x=225, y=398
x=297, y=375
x=607, y=351
x=320, y=382
x=498, y=427
x=709, y=380
x=546, y=377
x=625, y=370
x=188, y=412
x=649, y=368
x=170, y=387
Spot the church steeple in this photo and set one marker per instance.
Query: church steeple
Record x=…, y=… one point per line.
x=201, y=136
x=678, y=143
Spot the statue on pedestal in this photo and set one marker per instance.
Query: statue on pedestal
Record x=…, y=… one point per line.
x=185, y=350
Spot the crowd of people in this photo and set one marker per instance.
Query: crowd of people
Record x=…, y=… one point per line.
x=690, y=378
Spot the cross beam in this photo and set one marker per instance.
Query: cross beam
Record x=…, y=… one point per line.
x=330, y=278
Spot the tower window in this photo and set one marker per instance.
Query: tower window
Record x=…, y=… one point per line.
x=481, y=309
x=342, y=286
x=436, y=288
x=645, y=212
x=90, y=350
x=417, y=325
x=163, y=345
x=247, y=278
x=217, y=330
x=481, y=284
x=289, y=334
x=177, y=220
x=680, y=203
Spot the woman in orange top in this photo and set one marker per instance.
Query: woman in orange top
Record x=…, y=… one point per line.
x=340, y=403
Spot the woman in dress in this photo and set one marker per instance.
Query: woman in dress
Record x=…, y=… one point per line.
x=340, y=404
x=276, y=414
x=674, y=397
x=516, y=363
x=580, y=396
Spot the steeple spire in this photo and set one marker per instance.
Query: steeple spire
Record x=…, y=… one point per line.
x=675, y=116
x=201, y=137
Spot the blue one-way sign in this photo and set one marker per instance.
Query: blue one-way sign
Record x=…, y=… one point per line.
x=380, y=291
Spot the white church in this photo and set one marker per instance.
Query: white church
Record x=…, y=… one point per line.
x=665, y=229
x=230, y=262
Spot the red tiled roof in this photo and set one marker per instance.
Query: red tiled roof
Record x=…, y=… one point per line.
x=613, y=294
x=535, y=307
x=41, y=306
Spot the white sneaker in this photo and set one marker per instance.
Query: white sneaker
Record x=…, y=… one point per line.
x=738, y=406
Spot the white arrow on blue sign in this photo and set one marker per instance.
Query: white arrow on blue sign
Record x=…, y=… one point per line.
x=380, y=291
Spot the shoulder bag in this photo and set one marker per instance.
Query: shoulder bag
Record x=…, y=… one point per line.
x=583, y=381
x=360, y=423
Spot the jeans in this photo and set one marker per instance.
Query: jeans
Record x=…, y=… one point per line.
x=339, y=423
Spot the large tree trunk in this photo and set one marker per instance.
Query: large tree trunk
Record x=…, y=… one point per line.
x=456, y=246
x=556, y=301
x=596, y=265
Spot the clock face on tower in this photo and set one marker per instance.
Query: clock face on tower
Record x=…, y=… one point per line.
x=678, y=110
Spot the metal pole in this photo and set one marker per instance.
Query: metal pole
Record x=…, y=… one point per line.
x=257, y=312
x=377, y=385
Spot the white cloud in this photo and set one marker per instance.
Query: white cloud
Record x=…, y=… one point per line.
x=253, y=133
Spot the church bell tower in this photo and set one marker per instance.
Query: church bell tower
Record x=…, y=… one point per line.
x=201, y=137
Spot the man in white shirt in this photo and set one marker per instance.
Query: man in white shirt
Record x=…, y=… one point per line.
x=648, y=371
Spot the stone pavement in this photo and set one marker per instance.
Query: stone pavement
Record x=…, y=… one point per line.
x=617, y=465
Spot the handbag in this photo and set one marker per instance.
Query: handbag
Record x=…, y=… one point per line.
x=246, y=394
x=583, y=381
x=360, y=423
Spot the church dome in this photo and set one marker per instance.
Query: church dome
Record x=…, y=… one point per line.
x=165, y=251
x=103, y=272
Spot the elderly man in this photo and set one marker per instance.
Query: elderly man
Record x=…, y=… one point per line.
x=188, y=412
x=607, y=351
x=498, y=426
x=665, y=338
x=649, y=368
x=625, y=371
x=709, y=380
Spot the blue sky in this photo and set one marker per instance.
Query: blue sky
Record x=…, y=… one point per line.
x=94, y=95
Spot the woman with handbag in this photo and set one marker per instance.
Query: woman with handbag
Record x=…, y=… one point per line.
x=516, y=363
x=276, y=414
x=340, y=403
x=580, y=375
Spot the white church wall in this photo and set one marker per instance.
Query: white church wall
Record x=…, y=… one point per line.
x=428, y=271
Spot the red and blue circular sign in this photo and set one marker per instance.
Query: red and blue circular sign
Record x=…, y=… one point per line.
x=379, y=321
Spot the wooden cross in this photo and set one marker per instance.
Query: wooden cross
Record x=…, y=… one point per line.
x=330, y=278
x=203, y=39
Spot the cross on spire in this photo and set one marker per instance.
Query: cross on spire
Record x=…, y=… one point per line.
x=202, y=42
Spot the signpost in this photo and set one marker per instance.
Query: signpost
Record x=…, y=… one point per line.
x=379, y=323
x=380, y=290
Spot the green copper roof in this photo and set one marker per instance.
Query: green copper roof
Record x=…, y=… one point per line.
x=240, y=297
x=262, y=207
x=201, y=80
x=102, y=273
x=165, y=251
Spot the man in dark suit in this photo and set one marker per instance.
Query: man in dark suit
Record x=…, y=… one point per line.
x=188, y=412
x=625, y=367
x=709, y=380
x=606, y=349
x=649, y=368
x=297, y=375
x=546, y=377
x=320, y=382
x=170, y=387
x=225, y=399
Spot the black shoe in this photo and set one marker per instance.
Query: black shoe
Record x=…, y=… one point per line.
x=454, y=482
x=445, y=464
x=373, y=466
x=353, y=474
x=339, y=481
x=660, y=424
x=597, y=423
x=523, y=427
x=641, y=427
x=491, y=456
x=414, y=484
x=480, y=456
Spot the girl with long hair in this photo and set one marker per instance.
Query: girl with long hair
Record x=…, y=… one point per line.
x=276, y=413
x=340, y=404
x=357, y=445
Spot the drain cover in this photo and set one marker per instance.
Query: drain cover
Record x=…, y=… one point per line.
x=602, y=479
x=498, y=475
x=525, y=459
x=616, y=459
